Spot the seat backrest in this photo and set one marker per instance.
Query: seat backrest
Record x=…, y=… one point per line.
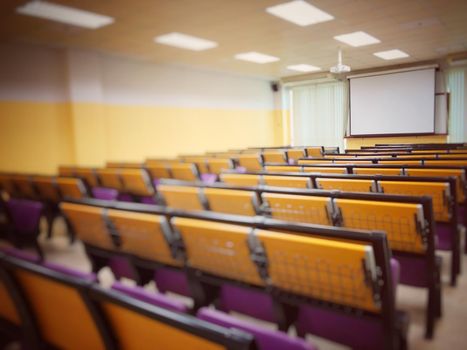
x=89, y=175
x=72, y=187
x=8, y=310
x=250, y=161
x=137, y=182
x=139, y=325
x=315, y=161
x=25, y=214
x=219, y=249
x=283, y=168
x=352, y=161
x=200, y=161
x=218, y=165
x=324, y=269
x=184, y=171
x=88, y=224
x=47, y=188
x=400, y=162
x=446, y=162
x=124, y=165
x=158, y=169
x=287, y=181
x=348, y=185
x=241, y=179
x=378, y=171
x=315, y=152
x=308, y=209
x=329, y=170
x=58, y=306
x=458, y=173
x=110, y=178
x=146, y=236
x=7, y=185
x=295, y=154
x=438, y=191
x=24, y=186
x=232, y=201
x=404, y=223
x=66, y=171
x=182, y=197
x=275, y=156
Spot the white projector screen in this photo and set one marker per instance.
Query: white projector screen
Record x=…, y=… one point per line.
x=393, y=103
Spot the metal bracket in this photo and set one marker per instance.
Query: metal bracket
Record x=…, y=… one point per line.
x=258, y=255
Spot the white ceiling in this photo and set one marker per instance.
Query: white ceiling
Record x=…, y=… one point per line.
x=425, y=29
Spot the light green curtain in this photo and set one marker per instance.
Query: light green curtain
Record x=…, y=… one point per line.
x=456, y=86
x=319, y=114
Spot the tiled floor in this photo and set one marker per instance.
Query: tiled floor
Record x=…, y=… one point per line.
x=451, y=331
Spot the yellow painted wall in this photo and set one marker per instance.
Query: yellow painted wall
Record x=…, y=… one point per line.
x=354, y=143
x=35, y=137
x=38, y=137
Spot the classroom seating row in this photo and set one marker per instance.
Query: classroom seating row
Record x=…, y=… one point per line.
x=268, y=269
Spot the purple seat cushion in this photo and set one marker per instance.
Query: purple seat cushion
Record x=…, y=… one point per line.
x=254, y=303
x=25, y=215
x=104, y=193
x=20, y=254
x=125, y=197
x=266, y=339
x=148, y=200
x=356, y=332
x=121, y=267
x=240, y=169
x=413, y=271
x=71, y=272
x=172, y=280
x=153, y=298
x=462, y=213
x=208, y=178
x=444, y=236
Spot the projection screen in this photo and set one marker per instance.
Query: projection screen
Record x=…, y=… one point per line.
x=393, y=103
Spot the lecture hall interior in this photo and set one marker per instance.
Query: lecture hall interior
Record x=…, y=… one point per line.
x=233, y=174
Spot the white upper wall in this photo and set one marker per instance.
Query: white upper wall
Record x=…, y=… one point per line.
x=31, y=73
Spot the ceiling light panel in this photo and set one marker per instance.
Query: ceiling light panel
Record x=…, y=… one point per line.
x=300, y=13
x=306, y=68
x=391, y=54
x=256, y=57
x=64, y=14
x=357, y=39
x=184, y=41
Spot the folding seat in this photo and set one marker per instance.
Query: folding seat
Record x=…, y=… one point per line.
x=290, y=207
x=158, y=169
x=329, y=170
x=315, y=152
x=89, y=176
x=7, y=186
x=315, y=161
x=446, y=162
x=11, y=324
x=72, y=188
x=400, y=162
x=49, y=193
x=182, y=197
x=287, y=181
x=137, y=182
x=353, y=161
x=251, y=162
x=58, y=309
x=348, y=185
x=283, y=168
x=110, y=178
x=185, y=171
x=67, y=171
x=275, y=156
x=24, y=186
x=218, y=165
x=378, y=171
x=221, y=250
x=266, y=339
x=335, y=273
x=124, y=165
x=294, y=154
x=200, y=161
x=247, y=180
x=148, y=239
x=139, y=325
x=24, y=222
x=232, y=201
x=458, y=173
x=410, y=238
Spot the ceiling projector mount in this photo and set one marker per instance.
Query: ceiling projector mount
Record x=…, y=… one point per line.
x=339, y=67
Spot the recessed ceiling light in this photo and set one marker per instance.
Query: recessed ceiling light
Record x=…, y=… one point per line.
x=184, y=41
x=303, y=68
x=357, y=39
x=65, y=14
x=256, y=57
x=299, y=12
x=391, y=54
